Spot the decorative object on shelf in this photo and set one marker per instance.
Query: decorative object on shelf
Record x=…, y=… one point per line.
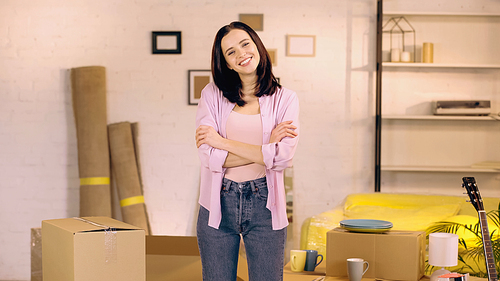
x=167, y=42
x=198, y=79
x=395, y=55
x=399, y=28
x=301, y=45
x=443, y=252
x=255, y=21
x=428, y=52
x=405, y=57
x=461, y=107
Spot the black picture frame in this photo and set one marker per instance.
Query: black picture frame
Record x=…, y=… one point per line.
x=158, y=47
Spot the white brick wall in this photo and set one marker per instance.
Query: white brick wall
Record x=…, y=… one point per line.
x=41, y=40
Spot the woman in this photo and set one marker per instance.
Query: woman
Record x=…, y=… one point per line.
x=247, y=133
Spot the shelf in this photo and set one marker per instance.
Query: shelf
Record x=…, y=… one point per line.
x=438, y=117
x=446, y=169
x=403, y=13
x=439, y=65
x=466, y=54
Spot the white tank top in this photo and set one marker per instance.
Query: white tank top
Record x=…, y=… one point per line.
x=247, y=129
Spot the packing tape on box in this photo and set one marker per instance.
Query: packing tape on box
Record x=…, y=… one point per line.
x=109, y=240
x=94, y=181
x=132, y=201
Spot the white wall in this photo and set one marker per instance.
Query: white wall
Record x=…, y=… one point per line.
x=41, y=40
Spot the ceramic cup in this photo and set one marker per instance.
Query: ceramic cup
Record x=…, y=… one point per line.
x=355, y=269
x=298, y=260
x=312, y=260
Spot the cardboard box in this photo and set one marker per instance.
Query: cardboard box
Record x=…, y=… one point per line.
x=36, y=254
x=178, y=258
x=289, y=275
x=92, y=248
x=394, y=255
x=330, y=278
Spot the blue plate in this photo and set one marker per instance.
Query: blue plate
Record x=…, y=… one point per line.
x=366, y=225
x=367, y=230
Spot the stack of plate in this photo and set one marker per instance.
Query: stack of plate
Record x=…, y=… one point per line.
x=362, y=225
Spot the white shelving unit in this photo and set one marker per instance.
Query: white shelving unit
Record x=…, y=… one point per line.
x=439, y=117
x=442, y=169
x=418, y=145
x=439, y=14
x=439, y=65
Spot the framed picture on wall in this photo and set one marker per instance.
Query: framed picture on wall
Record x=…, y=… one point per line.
x=255, y=21
x=167, y=42
x=301, y=45
x=273, y=55
x=198, y=79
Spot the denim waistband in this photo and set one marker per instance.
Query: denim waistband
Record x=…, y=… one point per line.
x=228, y=184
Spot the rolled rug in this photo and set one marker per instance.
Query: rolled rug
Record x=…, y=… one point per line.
x=135, y=138
x=126, y=175
x=88, y=88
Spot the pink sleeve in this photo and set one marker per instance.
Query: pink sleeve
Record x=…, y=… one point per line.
x=278, y=156
x=206, y=114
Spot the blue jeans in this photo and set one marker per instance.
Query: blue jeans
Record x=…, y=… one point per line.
x=244, y=214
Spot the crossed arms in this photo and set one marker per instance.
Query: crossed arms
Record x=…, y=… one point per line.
x=240, y=153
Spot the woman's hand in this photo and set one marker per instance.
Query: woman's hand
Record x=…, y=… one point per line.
x=284, y=129
x=208, y=135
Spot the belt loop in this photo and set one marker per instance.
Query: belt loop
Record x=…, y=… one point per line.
x=252, y=185
x=228, y=184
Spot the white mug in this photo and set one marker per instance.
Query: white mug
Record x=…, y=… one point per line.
x=355, y=268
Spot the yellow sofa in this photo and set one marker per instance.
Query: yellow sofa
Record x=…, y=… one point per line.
x=405, y=211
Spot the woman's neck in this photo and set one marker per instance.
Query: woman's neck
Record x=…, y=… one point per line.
x=248, y=84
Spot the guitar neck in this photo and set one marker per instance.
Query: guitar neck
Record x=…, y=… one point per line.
x=488, y=250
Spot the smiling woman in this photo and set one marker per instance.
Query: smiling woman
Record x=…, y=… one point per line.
x=247, y=133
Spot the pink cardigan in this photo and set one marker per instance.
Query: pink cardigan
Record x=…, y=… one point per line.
x=213, y=110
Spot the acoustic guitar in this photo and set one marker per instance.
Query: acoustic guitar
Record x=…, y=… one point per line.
x=469, y=183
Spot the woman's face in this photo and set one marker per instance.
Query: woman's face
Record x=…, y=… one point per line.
x=240, y=52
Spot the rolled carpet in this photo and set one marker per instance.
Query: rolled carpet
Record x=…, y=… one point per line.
x=126, y=175
x=135, y=138
x=88, y=88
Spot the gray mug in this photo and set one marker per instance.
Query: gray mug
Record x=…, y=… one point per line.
x=312, y=260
